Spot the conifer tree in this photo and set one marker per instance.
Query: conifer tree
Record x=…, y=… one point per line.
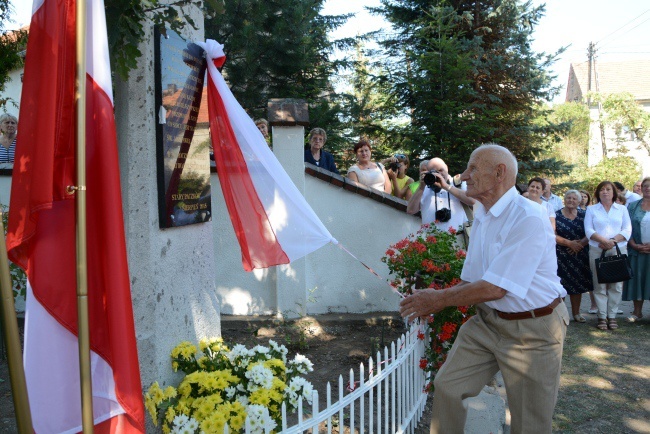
x=465, y=74
x=280, y=49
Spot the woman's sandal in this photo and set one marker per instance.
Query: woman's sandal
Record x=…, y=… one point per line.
x=602, y=324
x=579, y=318
x=612, y=324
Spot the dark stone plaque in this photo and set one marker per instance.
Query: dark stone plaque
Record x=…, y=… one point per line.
x=182, y=133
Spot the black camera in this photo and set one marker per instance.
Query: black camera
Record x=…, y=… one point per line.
x=394, y=166
x=430, y=181
x=443, y=215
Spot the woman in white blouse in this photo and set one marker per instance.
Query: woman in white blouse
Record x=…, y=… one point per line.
x=606, y=224
x=366, y=172
x=536, y=187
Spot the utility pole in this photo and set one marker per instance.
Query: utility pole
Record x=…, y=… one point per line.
x=591, y=51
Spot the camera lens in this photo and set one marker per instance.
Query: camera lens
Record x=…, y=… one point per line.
x=393, y=166
x=430, y=181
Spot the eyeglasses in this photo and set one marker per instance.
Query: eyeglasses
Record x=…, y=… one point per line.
x=400, y=156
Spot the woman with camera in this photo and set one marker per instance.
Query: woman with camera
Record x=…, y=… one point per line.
x=536, y=187
x=401, y=183
x=366, y=172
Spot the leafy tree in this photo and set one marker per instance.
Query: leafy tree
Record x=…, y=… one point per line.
x=280, y=49
x=628, y=118
x=368, y=110
x=624, y=169
x=465, y=74
x=12, y=43
x=573, y=145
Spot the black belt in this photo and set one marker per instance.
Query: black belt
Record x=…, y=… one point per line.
x=536, y=313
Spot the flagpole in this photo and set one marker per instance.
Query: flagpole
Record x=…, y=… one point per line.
x=82, y=265
x=11, y=337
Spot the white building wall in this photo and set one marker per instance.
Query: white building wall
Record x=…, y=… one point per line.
x=633, y=148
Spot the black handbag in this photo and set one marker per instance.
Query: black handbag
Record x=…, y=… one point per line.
x=612, y=269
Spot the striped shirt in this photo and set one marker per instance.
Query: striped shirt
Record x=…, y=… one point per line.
x=7, y=155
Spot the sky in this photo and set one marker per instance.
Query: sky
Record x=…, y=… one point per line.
x=620, y=28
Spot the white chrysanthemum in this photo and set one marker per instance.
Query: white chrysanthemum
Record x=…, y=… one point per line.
x=280, y=349
x=259, y=419
x=180, y=420
x=243, y=400
x=192, y=425
x=237, y=351
x=260, y=349
x=301, y=364
x=230, y=392
x=260, y=376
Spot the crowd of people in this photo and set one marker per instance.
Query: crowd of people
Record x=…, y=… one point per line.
x=584, y=227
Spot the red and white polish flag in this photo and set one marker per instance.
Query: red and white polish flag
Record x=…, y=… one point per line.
x=41, y=231
x=272, y=220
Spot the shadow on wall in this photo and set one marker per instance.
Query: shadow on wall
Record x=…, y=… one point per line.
x=364, y=221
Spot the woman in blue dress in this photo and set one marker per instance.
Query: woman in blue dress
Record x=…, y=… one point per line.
x=572, y=250
x=637, y=289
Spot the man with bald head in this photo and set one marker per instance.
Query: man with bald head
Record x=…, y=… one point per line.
x=510, y=274
x=432, y=203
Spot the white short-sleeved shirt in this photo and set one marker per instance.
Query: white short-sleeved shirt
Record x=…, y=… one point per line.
x=554, y=201
x=550, y=210
x=608, y=224
x=631, y=196
x=444, y=199
x=513, y=247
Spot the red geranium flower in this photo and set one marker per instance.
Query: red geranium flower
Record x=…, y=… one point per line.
x=423, y=363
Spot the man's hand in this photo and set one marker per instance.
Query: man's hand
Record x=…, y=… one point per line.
x=421, y=303
x=442, y=182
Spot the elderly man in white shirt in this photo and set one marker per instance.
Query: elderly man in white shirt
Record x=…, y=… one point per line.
x=511, y=275
x=432, y=201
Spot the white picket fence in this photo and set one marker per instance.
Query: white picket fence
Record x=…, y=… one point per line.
x=390, y=400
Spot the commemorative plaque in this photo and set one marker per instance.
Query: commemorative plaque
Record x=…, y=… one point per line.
x=182, y=132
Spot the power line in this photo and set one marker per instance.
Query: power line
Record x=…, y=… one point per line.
x=624, y=25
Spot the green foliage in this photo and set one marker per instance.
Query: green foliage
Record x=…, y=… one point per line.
x=430, y=258
x=628, y=118
x=464, y=73
x=127, y=20
x=280, y=49
x=622, y=168
x=275, y=49
x=12, y=43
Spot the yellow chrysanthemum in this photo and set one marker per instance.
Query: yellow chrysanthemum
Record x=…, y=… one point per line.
x=214, y=423
x=166, y=429
x=170, y=392
x=184, y=350
x=170, y=414
x=185, y=388
x=215, y=345
x=151, y=408
x=277, y=366
x=260, y=396
x=278, y=385
x=156, y=393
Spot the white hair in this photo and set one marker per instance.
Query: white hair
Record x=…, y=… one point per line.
x=576, y=192
x=506, y=156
